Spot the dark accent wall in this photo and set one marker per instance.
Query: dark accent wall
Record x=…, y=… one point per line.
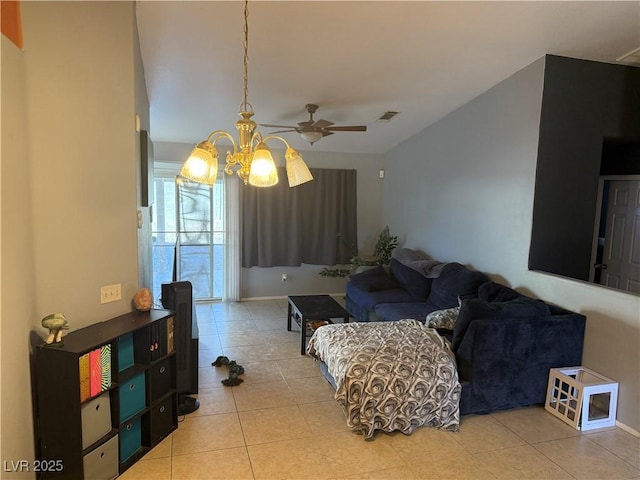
x=620, y=157
x=584, y=103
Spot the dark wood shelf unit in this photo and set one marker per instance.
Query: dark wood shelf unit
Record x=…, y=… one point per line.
x=89, y=438
x=131, y=372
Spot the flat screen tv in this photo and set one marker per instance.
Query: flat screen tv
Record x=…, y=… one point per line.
x=178, y=296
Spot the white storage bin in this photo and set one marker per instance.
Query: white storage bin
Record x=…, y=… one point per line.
x=582, y=398
x=102, y=462
x=96, y=419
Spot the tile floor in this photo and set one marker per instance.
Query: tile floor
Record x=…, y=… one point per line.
x=282, y=422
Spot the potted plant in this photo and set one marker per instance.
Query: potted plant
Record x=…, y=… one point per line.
x=382, y=251
x=384, y=246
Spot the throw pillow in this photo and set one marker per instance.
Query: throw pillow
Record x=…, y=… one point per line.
x=443, y=319
x=455, y=281
x=496, y=292
x=373, y=280
x=412, y=281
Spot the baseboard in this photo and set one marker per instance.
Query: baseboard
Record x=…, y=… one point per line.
x=257, y=299
x=284, y=297
x=628, y=429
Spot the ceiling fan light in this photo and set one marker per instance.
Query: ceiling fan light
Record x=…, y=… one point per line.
x=297, y=171
x=263, y=169
x=202, y=164
x=311, y=136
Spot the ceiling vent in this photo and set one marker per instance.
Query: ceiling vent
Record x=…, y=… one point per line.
x=630, y=58
x=387, y=116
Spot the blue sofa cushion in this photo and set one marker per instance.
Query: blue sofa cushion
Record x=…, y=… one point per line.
x=496, y=292
x=392, y=312
x=373, y=280
x=506, y=362
x=412, y=281
x=477, y=309
x=369, y=300
x=455, y=281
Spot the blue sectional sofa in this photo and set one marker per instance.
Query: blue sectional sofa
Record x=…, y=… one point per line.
x=504, y=342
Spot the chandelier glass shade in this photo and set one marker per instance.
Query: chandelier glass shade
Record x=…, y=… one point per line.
x=250, y=155
x=311, y=137
x=263, y=172
x=202, y=164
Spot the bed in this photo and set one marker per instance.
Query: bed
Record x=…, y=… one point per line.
x=390, y=376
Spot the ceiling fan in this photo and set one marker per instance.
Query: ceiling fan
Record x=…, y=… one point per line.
x=313, y=131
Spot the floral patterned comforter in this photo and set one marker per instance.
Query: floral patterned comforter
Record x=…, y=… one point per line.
x=390, y=375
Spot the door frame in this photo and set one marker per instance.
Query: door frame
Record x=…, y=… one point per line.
x=598, y=217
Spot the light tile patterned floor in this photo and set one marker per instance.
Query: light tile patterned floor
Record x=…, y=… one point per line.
x=282, y=422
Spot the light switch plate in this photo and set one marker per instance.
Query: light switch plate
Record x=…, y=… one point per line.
x=110, y=293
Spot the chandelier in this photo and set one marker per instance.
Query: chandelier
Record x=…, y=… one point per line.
x=250, y=153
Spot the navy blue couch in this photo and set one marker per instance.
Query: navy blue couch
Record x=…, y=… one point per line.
x=504, y=342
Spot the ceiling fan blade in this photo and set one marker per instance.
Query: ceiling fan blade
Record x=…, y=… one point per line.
x=353, y=128
x=269, y=125
x=283, y=131
x=326, y=133
x=322, y=124
x=306, y=125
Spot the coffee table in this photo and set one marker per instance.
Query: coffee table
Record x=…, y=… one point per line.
x=307, y=308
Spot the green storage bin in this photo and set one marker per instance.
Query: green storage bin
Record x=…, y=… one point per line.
x=125, y=352
x=130, y=439
x=132, y=396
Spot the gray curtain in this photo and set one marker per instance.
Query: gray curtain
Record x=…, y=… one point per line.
x=314, y=223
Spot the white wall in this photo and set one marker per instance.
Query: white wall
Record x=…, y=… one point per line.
x=470, y=179
x=18, y=312
x=69, y=184
x=79, y=61
x=266, y=282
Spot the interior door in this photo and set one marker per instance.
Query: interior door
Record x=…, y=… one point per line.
x=621, y=259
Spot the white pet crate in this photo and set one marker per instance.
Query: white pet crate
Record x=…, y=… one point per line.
x=582, y=398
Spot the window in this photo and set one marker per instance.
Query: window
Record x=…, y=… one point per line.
x=189, y=235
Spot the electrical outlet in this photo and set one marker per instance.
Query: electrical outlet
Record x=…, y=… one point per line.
x=284, y=277
x=110, y=293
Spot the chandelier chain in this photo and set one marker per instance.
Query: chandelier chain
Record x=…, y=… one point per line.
x=246, y=105
x=254, y=159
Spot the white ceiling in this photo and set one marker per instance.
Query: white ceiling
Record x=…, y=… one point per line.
x=355, y=59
